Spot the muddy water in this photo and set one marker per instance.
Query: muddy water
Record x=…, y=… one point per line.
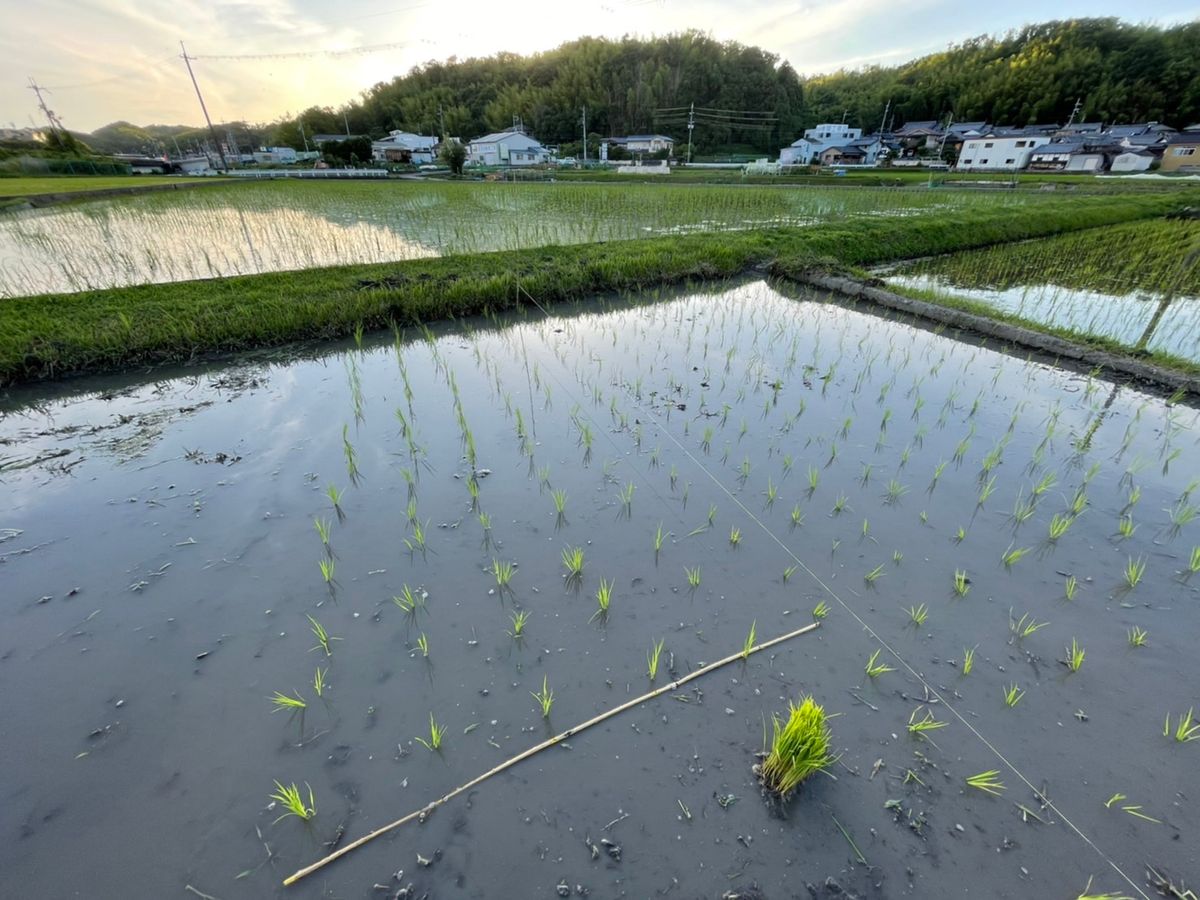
x=159, y=562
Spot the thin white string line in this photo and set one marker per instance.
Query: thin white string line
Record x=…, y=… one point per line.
x=862, y=622
x=932, y=690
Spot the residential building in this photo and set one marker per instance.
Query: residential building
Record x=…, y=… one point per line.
x=1001, y=150
x=644, y=143
x=840, y=156
x=1182, y=153
x=1132, y=161
x=506, y=148
x=1079, y=154
x=404, y=147
x=816, y=141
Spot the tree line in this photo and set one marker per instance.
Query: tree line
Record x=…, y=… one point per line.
x=754, y=101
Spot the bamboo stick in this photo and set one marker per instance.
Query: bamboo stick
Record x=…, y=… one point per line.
x=538, y=748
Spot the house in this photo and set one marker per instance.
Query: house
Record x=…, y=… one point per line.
x=840, y=156
x=1132, y=161
x=1000, y=150
x=644, y=143
x=506, y=148
x=1080, y=129
x=1182, y=153
x=816, y=141
x=1078, y=154
x=275, y=156
x=404, y=147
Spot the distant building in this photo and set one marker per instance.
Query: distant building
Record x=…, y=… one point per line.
x=320, y=139
x=506, y=148
x=404, y=147
x=1070, y=155
x=1001, y=150
x=644, y=143
x=1132, y=161
x=1182, y=153
x=816, y=141
x=275, y=156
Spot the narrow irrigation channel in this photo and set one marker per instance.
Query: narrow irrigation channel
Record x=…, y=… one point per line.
x=374, y=570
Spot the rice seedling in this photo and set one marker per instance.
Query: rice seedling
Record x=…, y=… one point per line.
x=335, y=497
x=417, y=541
x=485, y=521
x=918, y=614
x=1125, y=526
x=788, y=572
x=866, y=529
x=968, y=662
x=437, y=734
x=660, y=538
x=625, y=495
x=1070, y=586
x=1047, y=481
x=960, y=535
x=320, y=685
x=874, y=668
x=544, y=698
x=1133, y=571
x=603, y=598
x=572, y=560
x=559, y=496
x=693, y=576
x=324, y=641
x=987, y=782
x=1137, y=636
x=328, y=567
x=1013, y=555
x=919, y=726
x=293, y=803
x=712, y=514
x=962, y=583
x=423, y=645
x=503, y=573
x=652, y=659
x=748, y=644
x=987, y=490
x=772, y=493
x=350, y=455
x=1075, y=654
x=798, y=517
x=518, y=620
x=1059, y=525
x=874, y=575
x=1079, y=501
x=1194, y=561
x=1024, y=626
x=821, y=610
x=814, y=478
x=283, y=701
x=1182, y=513
x=937, y=474
x=735, y=536
x=1013, y=695
x=839, y=504
x=323, y=528
x=1087, y=894
x=800, y=747
x=1185, y=729
x=1023, y=510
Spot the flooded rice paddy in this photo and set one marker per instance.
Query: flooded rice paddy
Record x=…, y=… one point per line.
x=1137, y=284
x=164, y=561
x=250, y=228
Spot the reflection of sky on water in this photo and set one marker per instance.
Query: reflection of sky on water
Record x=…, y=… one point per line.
x=1121, y=317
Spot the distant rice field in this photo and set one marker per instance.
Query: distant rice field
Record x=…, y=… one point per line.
x=278, y=226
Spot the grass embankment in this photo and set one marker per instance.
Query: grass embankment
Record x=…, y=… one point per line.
x=33, y=186
x=52, y=335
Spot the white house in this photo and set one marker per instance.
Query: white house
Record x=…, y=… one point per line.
x=816, y=141
x=999, y=151
x=506, y=148
x=404, y=147
x=644, y=143
x=1132, y=161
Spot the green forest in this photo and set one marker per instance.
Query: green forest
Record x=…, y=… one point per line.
x=749, y=99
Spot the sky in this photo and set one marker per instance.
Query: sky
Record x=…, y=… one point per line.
x=105, y=60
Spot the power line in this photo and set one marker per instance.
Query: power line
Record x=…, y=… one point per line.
x=305, y=54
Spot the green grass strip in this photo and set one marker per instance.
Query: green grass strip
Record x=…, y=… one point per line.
x=56, y=334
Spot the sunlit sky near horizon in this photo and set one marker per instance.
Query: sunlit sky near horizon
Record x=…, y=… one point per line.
x=105, y=60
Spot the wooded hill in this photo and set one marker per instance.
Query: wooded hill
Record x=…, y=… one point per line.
x=1121, y=72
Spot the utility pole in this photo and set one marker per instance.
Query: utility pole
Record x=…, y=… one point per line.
x=204, y=109
x=55, y=124
x=303, y=136
x=691, y=125
x=346, y=122
x=942, y=145
x=1074, y=112
x=584, y=121
x=883, y=122
x=442, y=121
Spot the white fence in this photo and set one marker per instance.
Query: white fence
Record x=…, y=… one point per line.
x=308, y=173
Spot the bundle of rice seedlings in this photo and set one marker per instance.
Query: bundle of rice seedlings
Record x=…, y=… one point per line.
x=799, y=747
